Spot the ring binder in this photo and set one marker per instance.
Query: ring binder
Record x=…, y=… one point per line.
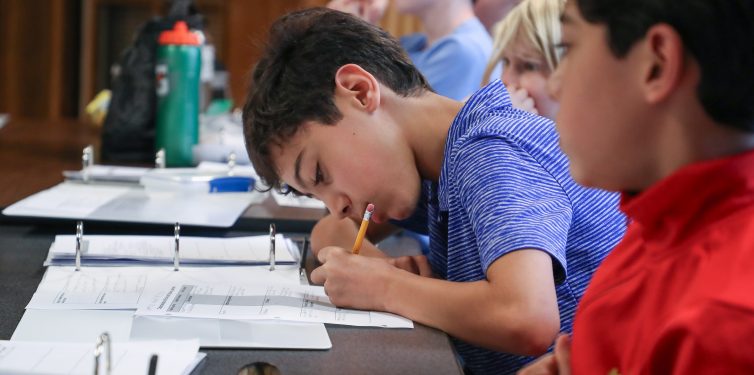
x=159, y=159
x=87, y=160
x=176, y=257
x=273, y=233
x=79, y=235
x=103, y=341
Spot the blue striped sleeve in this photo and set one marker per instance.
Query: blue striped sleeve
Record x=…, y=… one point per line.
x=513, y=203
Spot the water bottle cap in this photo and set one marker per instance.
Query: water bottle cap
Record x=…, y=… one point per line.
x=179, y=35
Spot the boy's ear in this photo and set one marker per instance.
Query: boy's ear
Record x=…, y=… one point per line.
x=665, y=66
x=358, y=86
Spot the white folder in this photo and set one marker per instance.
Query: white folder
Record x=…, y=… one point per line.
x=131, y=203
x=85, y=325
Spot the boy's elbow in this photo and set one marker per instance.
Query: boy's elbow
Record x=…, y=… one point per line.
x=534, y=336
x=536, y=343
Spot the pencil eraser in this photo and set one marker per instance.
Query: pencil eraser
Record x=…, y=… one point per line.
x=370, y=207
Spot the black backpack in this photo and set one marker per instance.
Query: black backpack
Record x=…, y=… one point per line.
x=128, y=132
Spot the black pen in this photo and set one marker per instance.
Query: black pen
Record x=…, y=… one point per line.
x=153, y=365
x=304, y=251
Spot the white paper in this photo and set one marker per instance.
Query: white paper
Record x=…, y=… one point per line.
x=225, y=333
x=160, y=249
x=297, y=303
x=285, y=200
x=68, y=200
x=117, y=288
x=195, y=362
x=174, y=357
x=75, y=326
x=79, y=326
x=290, y=200
x=238, y=170
x=132, y=203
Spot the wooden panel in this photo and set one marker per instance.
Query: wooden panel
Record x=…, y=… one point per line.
x=35, y=58
x=9, y=10
x=86, y=67
x=51, y=66
x=33, y=55
x=249, y=21
x=399, y=24
x=70, y=54
x=56, y=62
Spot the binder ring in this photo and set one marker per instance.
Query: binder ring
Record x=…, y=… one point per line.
x=176, y=256
x=103, y=344
x=273, y=233
x=79, y=235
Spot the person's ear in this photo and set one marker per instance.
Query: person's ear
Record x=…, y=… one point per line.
x=665, y=63
x=358, y=86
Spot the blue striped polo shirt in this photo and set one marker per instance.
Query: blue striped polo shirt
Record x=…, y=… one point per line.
x=505, y=186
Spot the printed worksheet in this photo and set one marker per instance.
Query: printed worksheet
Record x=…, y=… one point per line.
x=118, y=288
x=173, y=357
x=300, y=303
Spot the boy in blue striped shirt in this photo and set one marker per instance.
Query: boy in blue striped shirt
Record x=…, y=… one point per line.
x=337, y=111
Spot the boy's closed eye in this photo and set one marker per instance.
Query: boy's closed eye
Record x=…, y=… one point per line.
x=318, y=176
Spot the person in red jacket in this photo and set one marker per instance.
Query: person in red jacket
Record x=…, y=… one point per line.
x=657, y=102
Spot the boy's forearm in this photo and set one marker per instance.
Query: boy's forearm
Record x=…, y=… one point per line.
x=476, y=312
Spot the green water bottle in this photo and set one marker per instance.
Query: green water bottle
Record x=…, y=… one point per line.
x=178, y=67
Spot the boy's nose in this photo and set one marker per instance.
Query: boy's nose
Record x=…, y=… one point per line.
x=340, y=206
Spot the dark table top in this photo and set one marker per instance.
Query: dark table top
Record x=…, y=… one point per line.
x=32, y=156
x=355, y=350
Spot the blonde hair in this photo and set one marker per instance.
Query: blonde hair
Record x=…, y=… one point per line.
x=536, y=22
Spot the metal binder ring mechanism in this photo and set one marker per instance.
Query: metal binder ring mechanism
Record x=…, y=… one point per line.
x=103, y=345
x=87, y=160
x=79, y=240
x=273, y=233
x=159, y=159
x=176, y=257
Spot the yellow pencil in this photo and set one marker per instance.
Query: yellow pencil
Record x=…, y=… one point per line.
x=363, y=228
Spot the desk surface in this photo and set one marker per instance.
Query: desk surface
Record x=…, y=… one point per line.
x=355, y=350
x=32, y=156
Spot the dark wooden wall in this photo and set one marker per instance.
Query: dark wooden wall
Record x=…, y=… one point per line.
x=55, y=55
